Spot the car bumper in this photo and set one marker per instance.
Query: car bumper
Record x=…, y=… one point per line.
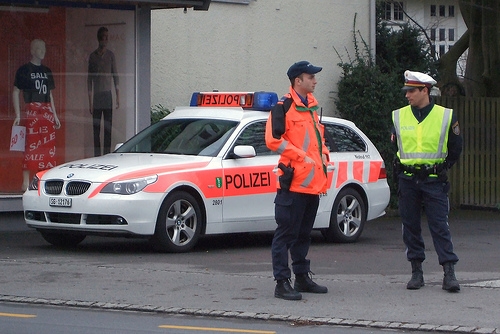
x=104, y=213
x=380, y=195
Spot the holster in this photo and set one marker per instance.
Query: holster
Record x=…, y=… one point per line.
x=396, y=169
x=286, y=178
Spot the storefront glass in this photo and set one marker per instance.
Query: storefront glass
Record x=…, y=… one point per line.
x=69, y=74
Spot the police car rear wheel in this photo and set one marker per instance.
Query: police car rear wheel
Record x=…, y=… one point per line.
x=348, y=217
x=62, y=239
x=178, y=224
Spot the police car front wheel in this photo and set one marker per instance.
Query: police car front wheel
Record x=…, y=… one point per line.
x=348, y=217
x=178, y=224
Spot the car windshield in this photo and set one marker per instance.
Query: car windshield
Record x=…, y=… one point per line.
x=203, y=137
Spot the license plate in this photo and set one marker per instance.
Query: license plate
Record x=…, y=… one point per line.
x=60, y=201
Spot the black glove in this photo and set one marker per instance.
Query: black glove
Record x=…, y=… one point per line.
x=286, y=178
x=442, y=172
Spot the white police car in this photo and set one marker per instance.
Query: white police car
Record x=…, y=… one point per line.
x=203, y=169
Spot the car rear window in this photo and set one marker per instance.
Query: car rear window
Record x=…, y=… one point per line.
x=341, y=138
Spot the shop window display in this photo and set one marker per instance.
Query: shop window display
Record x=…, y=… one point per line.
x=36, y=83
x=69, y=79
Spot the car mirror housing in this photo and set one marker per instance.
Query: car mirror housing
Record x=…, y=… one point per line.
x=244, y=151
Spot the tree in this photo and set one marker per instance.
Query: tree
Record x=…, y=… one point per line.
x=482, y=39
x=482, y=72
x=402, y=49
x=368, y=91
x=158, y=112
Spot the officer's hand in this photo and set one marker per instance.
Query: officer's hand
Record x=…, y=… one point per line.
x=442, y=172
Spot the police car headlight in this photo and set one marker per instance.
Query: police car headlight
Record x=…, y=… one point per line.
x=128, y=187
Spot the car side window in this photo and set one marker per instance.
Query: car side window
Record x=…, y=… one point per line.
x=341, y=138
x=254, y=135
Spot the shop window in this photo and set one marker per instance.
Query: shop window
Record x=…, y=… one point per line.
x=60, y=41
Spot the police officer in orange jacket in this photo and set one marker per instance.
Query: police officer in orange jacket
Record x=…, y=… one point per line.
x=293, y=130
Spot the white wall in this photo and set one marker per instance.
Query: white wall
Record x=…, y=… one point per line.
x=234, y=47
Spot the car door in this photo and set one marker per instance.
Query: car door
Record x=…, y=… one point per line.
x=348, y=150
x=249, y=183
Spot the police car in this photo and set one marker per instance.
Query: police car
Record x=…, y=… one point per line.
x=203, y=169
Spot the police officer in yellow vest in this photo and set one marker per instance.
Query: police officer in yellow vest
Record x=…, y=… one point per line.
x=429, y=143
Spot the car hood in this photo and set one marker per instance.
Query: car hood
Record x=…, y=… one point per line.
x=124, y=166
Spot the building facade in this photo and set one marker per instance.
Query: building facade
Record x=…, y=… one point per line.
x=248, y=45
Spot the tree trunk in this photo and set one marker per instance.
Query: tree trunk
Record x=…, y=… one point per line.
x=482, y=74
x=449, y=83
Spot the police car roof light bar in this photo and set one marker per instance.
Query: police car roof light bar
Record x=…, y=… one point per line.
x=253, y=100
x=264, y=100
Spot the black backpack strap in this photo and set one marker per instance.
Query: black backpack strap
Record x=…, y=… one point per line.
x=287, y=104
x=278, y=113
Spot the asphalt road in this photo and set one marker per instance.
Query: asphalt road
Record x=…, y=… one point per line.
x=18, y=318
x=230, y=276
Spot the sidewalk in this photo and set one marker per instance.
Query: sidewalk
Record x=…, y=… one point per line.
x=245, y=289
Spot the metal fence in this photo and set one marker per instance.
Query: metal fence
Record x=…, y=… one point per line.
x=475, y=180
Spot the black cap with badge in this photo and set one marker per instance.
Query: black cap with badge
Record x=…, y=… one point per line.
x=302, y=67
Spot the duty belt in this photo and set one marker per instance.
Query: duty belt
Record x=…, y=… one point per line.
x=422, y=171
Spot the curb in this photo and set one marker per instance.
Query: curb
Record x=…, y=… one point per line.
x=294, y=320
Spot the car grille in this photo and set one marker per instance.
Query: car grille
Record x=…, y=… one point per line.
x=64, y=218
x=76, y=188
x=105, y=220
x=73, y=188
x=75, y=218
x=54, y=187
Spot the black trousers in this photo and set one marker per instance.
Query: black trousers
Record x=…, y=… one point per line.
x=295, y=214
x=432, y=197
x=103, y=109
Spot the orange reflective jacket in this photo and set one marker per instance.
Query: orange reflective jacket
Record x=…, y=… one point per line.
x=303, y=136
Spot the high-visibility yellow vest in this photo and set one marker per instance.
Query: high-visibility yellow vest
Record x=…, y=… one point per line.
x=424, y=143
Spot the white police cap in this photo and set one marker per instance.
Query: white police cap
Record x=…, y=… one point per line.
x=417, y=79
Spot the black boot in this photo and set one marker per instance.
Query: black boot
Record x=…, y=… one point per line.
x=450, y=282
x=284, y=290
x=304, y=283
x=417, y=276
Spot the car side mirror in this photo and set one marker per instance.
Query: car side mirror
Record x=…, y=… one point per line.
x=244, y=151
